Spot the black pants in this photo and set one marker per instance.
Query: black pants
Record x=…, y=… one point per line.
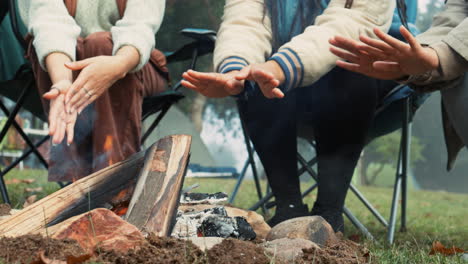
x=339, y=107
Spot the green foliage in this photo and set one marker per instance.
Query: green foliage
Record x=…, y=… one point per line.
x=385, y=149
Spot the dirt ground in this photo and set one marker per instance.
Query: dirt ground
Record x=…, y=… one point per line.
x=342, y=252
x=27, y=249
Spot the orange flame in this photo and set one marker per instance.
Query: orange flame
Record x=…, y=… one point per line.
x=108, y=147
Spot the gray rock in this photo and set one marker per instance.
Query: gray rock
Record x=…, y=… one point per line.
x=313, y=228
x=287, y=250
x=205, y=243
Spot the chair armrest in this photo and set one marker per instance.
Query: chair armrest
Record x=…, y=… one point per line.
x=204, y=41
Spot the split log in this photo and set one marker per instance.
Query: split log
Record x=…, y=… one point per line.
x=154, y=203
x=109, y=186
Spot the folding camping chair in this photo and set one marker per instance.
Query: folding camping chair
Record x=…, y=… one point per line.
x=21, y=90
x=397, y=108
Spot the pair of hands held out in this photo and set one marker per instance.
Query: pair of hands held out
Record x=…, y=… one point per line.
x=387, y=58
x=68, y=99
x=267, y=75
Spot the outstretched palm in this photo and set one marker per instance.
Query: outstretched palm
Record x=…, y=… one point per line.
x=215, y=85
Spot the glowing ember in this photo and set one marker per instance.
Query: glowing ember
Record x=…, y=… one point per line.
x=108, y=147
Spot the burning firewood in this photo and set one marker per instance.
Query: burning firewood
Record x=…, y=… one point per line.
x=161, y=170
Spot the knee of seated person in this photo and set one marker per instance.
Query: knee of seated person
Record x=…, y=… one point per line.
x=99, y=43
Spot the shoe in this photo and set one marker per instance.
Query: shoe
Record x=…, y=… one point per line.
x=288, y=211
x=332, y=216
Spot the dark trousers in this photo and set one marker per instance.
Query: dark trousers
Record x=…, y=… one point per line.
x=109, y=130
x=339, y=107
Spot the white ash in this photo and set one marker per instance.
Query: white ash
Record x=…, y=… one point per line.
x=213, y=222
x=203, y=198
x=187, y=223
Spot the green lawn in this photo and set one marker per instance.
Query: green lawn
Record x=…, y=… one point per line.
x=432, y=216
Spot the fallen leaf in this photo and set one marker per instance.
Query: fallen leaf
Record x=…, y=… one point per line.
x=30, y=200
x=355, y=238
x=17, y=181
x=12, y=181
x=28, y=181
x=38, y=189
x=428, y=215
x=437, y=247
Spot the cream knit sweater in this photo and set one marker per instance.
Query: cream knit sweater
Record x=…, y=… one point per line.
x=54, y=30
x=245, y=37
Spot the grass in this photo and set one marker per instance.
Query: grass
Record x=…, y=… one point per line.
x=431, y=216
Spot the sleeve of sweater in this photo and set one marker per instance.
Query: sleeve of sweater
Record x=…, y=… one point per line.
x=447, y=36
x=54, y=30
x=244, y=36
x=138, y=27
x=306, y=57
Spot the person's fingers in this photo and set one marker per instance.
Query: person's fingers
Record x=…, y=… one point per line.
x=202, y=76
x=377, y=44
x=277, y=93
x=52, y=94
x=414, y=44
x=87, y=102
x=52, y=122
x=387, y=66
x=349, y=66
x=75, y=88
x=345, y=55
x=83, y=94
x=190, y=86
x=234, y=87
x=78, y=65
x=344, y=43
x=58, y=135
x=372, y=53
x=244, y=74
x=70, y=127
x=192, y=80
x=262, y=76
x=397, y=44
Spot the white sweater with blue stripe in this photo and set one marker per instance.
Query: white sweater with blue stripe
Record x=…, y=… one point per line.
x=245, y=37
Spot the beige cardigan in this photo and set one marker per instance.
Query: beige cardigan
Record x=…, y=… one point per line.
x=448, y=36
x=54, y=30
x=245, y=37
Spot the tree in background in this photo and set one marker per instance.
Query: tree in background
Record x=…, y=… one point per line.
x=382, y=152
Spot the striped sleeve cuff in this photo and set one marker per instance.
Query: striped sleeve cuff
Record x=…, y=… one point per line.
x=292, y=67
x=232, y=64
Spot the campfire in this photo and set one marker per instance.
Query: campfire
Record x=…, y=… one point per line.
x=136, y=197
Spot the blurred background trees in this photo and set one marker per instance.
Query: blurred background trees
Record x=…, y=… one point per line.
x=378, y=160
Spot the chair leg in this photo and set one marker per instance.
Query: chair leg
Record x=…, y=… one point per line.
x=11, y=117
x=357, y=223
x=155, y=123
x=25, y=137
x=4, y=191
x=239, y=181
x=393, y=211
x=406, y=154
x=250, y=161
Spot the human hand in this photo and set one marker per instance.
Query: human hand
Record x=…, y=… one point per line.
x=268, y=76
x=387, y=58
x=61, y=122
x=210, y=84
x=96, y=76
